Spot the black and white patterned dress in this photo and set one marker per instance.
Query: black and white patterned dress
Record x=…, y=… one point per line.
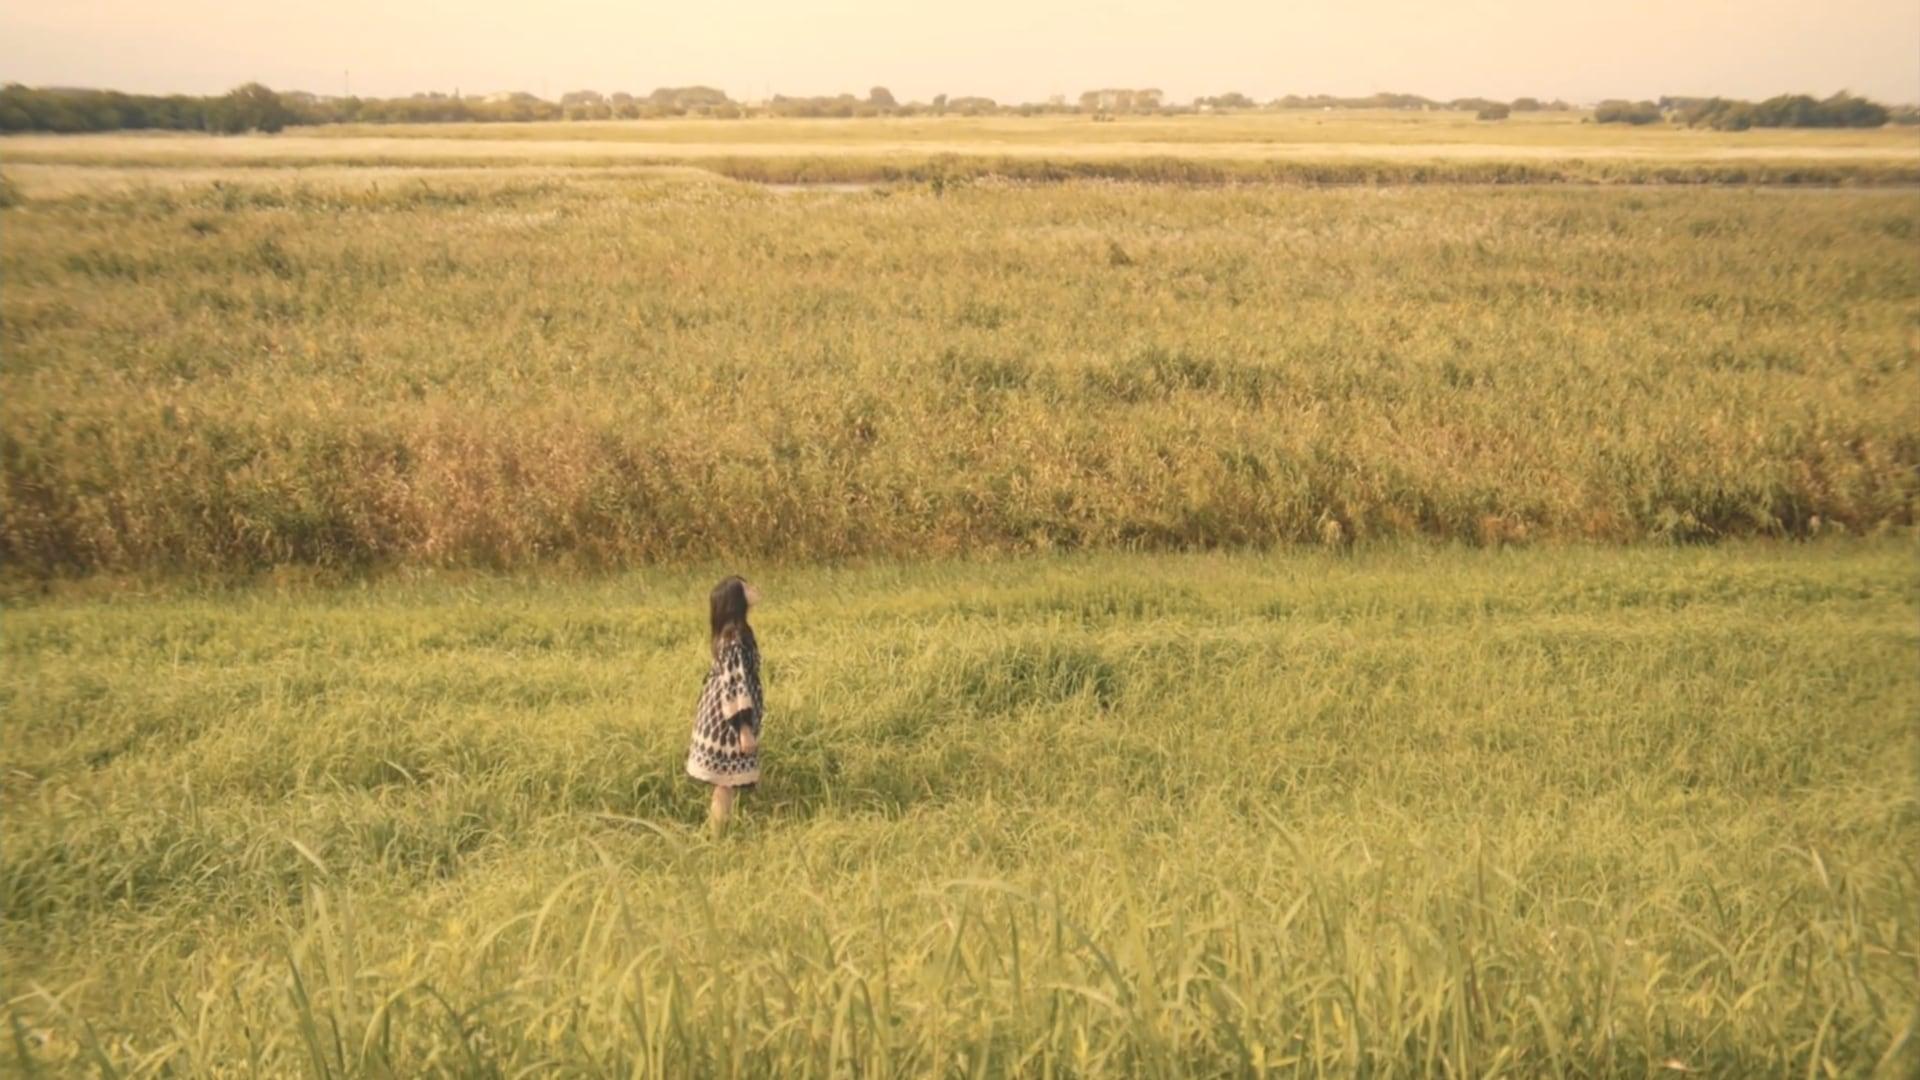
x=733, y=688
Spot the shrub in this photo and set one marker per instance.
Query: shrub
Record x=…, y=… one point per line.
x=1787, y=110
x=1627, y=112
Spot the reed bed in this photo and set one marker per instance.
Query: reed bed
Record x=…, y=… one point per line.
x=603, y=370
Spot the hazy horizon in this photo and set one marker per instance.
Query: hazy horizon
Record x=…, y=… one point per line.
x=1012, y=52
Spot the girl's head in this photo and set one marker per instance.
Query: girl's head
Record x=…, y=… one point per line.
x=729, y=603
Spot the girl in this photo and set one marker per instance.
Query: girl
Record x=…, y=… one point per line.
x=726, y=729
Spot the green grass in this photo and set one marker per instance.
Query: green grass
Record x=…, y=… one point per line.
x=605, y=369
x=1579, y=811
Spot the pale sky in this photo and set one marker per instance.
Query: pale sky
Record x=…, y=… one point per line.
x=1011, y=50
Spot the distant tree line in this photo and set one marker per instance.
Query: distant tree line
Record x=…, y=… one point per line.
x=1414, y=103
x=1787, y=110
x=246, y=108
x=254, y=107
x=1842, y=110
x=664, y=102
x=1226, y=101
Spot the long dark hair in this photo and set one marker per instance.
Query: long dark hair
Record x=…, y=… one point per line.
x=729, y=606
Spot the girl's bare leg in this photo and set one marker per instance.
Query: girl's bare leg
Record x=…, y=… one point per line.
x=722, y=808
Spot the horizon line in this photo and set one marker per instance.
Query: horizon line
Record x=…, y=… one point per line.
x=1068, y=100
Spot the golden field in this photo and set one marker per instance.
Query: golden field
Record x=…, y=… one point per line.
x=1313, y=595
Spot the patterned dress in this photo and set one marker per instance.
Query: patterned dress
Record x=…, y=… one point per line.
x=731, y=695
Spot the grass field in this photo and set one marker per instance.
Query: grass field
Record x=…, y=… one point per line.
x=1584, y=811
x=601, y=368
x=1218, y=623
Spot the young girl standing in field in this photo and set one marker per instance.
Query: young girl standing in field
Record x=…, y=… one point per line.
x=726, y=727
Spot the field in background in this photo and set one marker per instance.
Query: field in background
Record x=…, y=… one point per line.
x=1336, y=147
x=603, y=368
x=1251, y=133
x=1595, y=811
